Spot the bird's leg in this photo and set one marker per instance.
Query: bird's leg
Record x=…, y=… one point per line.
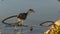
x=22, y=27
x=15, y=30
x=15, y=27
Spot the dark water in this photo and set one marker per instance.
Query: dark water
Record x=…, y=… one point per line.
x=44, y=10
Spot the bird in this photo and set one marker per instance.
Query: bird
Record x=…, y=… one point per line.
x=20, y=18
x=23, y=16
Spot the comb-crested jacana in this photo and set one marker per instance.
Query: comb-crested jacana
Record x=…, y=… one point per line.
x=23, y=16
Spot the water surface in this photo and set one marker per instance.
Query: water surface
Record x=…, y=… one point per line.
x=44, y=10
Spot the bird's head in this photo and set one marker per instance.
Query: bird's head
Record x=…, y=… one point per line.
x=30, y=11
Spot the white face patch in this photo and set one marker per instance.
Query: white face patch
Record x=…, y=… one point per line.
x=20, y=20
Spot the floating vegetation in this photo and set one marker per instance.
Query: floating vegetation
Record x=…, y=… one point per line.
x=47, y=23
x=54, y=29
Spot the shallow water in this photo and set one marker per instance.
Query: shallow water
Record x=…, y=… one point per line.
x=44, y=10
x=26, y=30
